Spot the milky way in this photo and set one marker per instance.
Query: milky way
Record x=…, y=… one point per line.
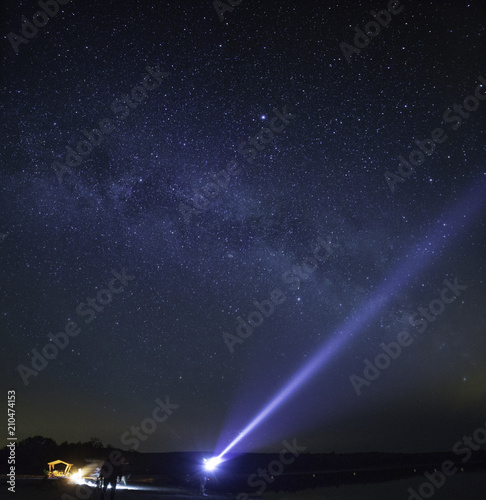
x=195, y=201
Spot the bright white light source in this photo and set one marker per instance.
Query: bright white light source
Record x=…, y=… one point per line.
x=212, y=463
x=77, y=477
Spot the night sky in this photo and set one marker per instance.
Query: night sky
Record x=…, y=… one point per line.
x=204, y=216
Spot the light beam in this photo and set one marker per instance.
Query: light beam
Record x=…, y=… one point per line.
x=211, y=463
x=454, y=221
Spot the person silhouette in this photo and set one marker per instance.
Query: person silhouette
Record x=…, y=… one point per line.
x=202, y=484
x=108, y=475
x=199, y=477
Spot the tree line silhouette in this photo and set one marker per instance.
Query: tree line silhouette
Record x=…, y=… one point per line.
x=33, y=454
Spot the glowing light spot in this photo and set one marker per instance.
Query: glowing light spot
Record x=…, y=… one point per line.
x=77, y=477
x=468, y=207
x=212, y=463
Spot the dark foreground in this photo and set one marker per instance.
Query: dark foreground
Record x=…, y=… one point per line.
x=365, y=476
x=39, y=489
x=466, y=485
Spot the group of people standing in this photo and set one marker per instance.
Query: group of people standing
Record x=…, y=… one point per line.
x=108, y=475
x=110, y=472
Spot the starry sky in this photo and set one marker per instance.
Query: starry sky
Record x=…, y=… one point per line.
x=143, y=200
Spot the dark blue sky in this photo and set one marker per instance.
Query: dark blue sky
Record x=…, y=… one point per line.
x=180, y=92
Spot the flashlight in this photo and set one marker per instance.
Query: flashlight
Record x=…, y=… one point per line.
x=211, y=463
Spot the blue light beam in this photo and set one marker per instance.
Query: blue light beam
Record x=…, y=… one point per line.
x=455, y=220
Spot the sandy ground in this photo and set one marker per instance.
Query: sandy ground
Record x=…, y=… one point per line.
x=470, y=486
x=37, y=489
